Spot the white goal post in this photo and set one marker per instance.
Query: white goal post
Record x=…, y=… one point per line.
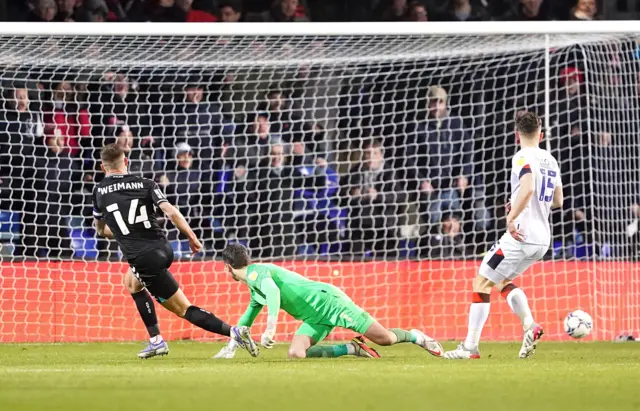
x=374, y=156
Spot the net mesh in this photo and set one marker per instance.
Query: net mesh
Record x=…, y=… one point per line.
x=321, y=153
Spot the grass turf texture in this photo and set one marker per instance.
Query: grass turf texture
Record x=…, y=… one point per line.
x=96, y=377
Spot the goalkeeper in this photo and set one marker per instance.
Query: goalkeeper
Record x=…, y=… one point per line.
x=320, y=306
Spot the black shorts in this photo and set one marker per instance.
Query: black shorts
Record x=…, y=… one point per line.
x=152, y=270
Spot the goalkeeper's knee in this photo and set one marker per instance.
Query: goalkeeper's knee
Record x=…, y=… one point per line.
x=296, y=353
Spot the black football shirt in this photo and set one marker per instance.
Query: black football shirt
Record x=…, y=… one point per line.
x=127, y=204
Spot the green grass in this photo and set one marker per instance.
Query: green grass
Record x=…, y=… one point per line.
x=95, y=377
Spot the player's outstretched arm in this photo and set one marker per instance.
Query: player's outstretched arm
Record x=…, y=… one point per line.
x=558, y=198
x=102, y=229
x=272, y=294
x=527, y=188
x=250, y=314
x=179, y=221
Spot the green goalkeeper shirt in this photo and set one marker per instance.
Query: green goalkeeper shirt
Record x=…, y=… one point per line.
x=277, y=287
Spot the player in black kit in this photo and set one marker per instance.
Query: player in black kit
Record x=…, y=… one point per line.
x=124, y=208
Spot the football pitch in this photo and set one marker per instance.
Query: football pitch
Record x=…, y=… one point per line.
x=96, y=377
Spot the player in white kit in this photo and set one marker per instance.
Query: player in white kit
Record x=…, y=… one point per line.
x=536, y=188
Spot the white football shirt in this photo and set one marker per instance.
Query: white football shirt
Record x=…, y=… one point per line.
x=533, y=222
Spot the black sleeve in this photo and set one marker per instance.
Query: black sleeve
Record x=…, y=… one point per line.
x=157, y=195
x=97, y=213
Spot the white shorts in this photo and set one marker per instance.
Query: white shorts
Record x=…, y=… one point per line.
x=509, y=258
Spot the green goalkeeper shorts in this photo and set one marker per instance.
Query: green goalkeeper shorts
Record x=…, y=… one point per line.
x=344, y=313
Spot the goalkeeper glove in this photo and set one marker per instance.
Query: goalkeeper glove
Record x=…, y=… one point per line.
x=228, y=351
x=267, y=339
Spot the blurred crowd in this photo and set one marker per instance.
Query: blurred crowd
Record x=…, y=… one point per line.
x=404, y=159
x=296, y=10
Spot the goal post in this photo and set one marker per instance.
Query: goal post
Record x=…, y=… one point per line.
x=374, y=156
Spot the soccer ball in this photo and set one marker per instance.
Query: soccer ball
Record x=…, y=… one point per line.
x=578, y=324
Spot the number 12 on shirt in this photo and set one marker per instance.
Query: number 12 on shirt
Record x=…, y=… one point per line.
x=548, y=185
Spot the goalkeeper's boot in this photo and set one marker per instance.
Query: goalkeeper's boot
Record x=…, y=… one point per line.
x=463, y=353
x=154, y=349
x=432, y=346
x=530, y=340
x=242, y=335
x=362, y=349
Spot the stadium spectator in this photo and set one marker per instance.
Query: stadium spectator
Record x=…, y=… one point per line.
x=22, y=130
x=282, y=118
x=95, y=11
x=281, y=11
x=250, y=147
x=196, y=121
x=181, y=170
x=235, y=202
x=442, y=156
x=584, y=10
x=159, y=11
x=57, y=177
x=569, y=109
x=530, y=10
x=140, y=154
x=416, y=11
x=68, y=10
x=273, y=228
x=230, y=11
x=67, y=119
x=376, y=202
x=235, y=182
x=186, y=188
x=392, y=10
x=21, y=143
x=465, y=10
x=118, y=104
x=310, y=148
x=43, y=11
x=195, y=15
x=447, y=242
x=578, y=234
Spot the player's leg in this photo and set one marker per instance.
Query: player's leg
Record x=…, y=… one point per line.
x=498, y=261
x=383, y=336
x=180, y=305
x=501, y=265
x=306, y=338
x=154, y=274
x=517, y=300
x=519, y=304
x=478, y=314
x=303, y=344
x=147, y=310
x=299, y=346
x=346, y=314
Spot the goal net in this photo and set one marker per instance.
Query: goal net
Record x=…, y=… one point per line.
x=379, y=163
